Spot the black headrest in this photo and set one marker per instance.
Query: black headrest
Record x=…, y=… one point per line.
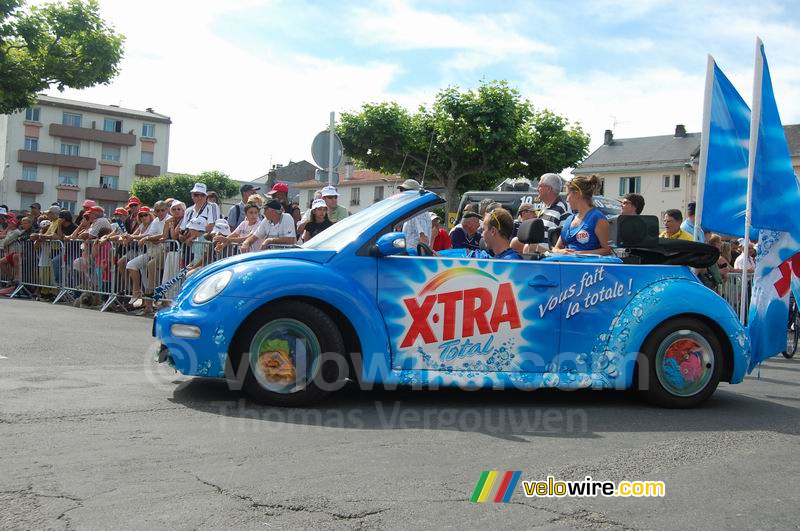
x=532, y=231
x=634, y=231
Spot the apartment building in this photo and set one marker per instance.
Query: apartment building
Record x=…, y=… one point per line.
x=66, y=151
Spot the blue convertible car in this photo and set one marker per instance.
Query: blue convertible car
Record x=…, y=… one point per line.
x=292, y=324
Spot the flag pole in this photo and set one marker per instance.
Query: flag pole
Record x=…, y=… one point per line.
x=704, y=137
x=755, y=119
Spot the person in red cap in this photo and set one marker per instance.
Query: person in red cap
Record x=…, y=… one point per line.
x=97, y=222
x=281, y=192
x=132, y=221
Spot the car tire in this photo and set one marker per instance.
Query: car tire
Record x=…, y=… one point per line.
x=684, y=362
x=315, y=334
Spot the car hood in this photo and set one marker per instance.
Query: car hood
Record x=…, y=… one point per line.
x=319, y=256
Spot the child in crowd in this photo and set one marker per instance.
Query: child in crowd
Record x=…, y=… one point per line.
x=196, y=229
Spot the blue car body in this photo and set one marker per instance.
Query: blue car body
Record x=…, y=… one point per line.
x=442, y=321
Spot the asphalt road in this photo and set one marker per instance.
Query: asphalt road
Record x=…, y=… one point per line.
x=92, y=437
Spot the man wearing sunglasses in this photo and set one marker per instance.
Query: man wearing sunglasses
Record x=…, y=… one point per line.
x=201, y=208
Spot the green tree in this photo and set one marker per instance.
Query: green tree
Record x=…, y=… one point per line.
x=65, y=45
x=179, y=186
x=476, y=137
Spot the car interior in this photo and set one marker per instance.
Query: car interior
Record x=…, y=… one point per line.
x=634, y=239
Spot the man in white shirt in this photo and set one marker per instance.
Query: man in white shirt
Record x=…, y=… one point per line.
x=417, y=229
x=202, y=208
x=277, y=228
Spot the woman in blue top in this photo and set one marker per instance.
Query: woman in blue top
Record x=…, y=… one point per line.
x=586, y=230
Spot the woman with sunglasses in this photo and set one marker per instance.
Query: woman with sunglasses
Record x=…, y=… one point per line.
x=586, y=230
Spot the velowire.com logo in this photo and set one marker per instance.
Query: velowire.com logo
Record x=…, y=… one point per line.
x=494, y=486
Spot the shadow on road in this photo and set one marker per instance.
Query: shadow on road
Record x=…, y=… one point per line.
x=513, y=414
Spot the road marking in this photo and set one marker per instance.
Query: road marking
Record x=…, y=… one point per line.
x=3, y=357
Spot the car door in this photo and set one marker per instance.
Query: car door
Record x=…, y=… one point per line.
x=470, y=314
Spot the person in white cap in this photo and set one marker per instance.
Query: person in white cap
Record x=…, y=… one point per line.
x=319, y=220
x=331, y=198
x=417, y=229
x=201, y=208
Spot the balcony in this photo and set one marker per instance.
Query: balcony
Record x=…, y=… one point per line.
x=29, y=187
x=147, y=170
x=92, y=135
x=106, y=194
x=54, y=159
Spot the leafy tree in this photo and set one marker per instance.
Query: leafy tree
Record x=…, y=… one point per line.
x=477, y=138
x=66, y=45
x=179, y=186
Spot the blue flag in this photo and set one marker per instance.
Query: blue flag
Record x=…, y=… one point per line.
x=777, y=267
x=775, y=201
x=776, y=193
x=726, y=133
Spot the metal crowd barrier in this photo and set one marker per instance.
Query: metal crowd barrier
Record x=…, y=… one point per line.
x=115, y=271
x=34, y=266
x=731, y=290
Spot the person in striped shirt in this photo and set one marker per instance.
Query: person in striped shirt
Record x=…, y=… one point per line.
x=555, y=211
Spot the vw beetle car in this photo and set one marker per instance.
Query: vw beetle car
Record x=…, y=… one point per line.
x=290, y=324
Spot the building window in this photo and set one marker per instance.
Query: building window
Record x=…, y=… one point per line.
x=25, y=201
x=601, y=190
x=670, y=182
x=378, y=193
x=109, y=181
x=67, y=205
x=32, y=114
x=110, y=153
x=67, y=177
x=147, y=157
x=355, y=196
x=629, y=185
x=149, y=130
x=31, y=143
x=112, y=125
x=28, y=173
x=71, y=119
x=70, y=149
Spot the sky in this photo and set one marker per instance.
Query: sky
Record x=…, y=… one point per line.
x=249, y=83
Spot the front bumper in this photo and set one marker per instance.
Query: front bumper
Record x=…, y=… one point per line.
x=205, y=355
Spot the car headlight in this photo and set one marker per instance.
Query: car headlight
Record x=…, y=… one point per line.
x=212, y=286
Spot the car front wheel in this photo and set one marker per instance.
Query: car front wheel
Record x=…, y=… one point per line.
x=294, y=354
x=684, y=361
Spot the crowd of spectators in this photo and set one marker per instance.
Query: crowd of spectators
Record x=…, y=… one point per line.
x=130, y=251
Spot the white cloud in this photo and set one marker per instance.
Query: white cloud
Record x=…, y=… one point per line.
x=232, y=109
x=402, y=27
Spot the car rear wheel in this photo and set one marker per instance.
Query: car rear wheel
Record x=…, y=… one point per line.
x=294, y=355
x=684, y=364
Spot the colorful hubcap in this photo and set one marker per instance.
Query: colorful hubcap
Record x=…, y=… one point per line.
x=284, y=356
x=684, y=363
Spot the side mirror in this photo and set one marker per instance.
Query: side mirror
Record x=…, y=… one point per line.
x=389, y=244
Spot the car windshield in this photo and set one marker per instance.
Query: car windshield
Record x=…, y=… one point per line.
x=344, y=232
